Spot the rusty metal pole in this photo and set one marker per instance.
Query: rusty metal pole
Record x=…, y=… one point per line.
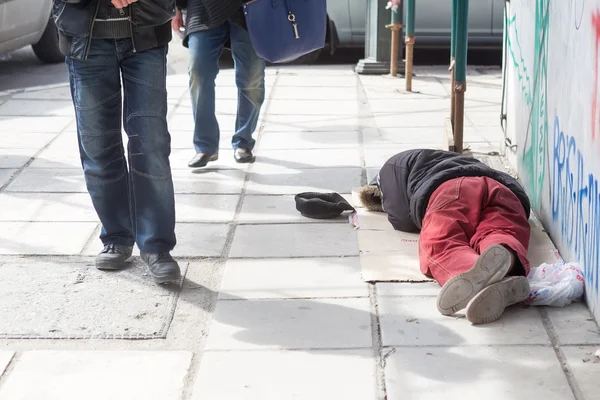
x=453, y=60
x=410, y=42
x=395, y=27
x=460, y=84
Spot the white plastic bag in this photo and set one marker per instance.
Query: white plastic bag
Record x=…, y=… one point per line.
x=555, y=285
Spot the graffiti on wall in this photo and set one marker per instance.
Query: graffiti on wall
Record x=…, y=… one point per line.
x=595, y=94
x=575, y=199
x=533, y=160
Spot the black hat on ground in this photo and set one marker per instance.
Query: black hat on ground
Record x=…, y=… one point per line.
x=321, y=205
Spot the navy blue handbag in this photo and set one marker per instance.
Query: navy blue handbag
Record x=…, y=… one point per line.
x=284, y=30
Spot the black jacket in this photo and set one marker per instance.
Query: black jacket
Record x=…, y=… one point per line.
x=408, y=179
x=150, y=24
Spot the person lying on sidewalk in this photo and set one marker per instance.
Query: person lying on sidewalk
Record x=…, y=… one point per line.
x=473, y=223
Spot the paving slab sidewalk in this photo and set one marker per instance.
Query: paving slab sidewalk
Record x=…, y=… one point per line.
x=273, y=306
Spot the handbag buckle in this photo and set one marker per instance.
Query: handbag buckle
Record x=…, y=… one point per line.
x=292, y=19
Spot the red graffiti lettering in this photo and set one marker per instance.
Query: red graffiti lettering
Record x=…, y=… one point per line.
x=595, y=111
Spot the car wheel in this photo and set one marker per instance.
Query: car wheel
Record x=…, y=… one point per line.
x=47, y=49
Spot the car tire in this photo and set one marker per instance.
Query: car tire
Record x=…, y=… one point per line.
x=47, y=49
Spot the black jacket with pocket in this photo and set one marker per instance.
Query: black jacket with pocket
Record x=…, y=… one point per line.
x=408, y=179
x=150, y=24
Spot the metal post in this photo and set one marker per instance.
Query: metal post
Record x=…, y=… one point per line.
x=395, y=27
x=460, y=73
x=452, y=59
x=410, y=41
x=377, y=40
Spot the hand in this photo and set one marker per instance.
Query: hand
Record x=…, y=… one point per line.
x=177, y=22
x=122, y=3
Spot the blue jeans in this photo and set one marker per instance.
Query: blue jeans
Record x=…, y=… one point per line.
x=205, y=49
x=135, y=201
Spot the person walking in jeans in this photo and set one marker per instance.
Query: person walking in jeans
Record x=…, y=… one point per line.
x=210, y=25
x=474, y=227
x=105, y=43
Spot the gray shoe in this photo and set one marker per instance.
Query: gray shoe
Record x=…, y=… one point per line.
x=162, y=266
x=491, y=267
x=489, y=304
x=113, y=257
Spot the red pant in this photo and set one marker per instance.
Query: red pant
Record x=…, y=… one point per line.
x=464, y=217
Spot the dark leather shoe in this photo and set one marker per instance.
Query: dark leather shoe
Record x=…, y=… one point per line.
x=243, y=156
x=113, y=257
x=162, y=267
x=201, y=159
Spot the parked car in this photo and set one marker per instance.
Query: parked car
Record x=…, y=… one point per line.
x=432, y=22
x=28, y=22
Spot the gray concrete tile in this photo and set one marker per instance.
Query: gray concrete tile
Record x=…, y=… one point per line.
x=34, y=124
x=58, y=207
x=432, y=120
x=309, y=140
x=5, y=359
x=49, y=180
x=61, y=153
x=574, y=325
x=415, y=321
x=205, y=208
x=25, y=140
x=317, y=158
x=15, y=158
x=401, y=138
x=395, y=289
x=300, y=81
x=275, y=375
x=208, y=181
x=585, y=368
x=295, y=107
x=294, y=240
x=502, y=373
x=45, y=298
x=95, y=375
x=54, y=93
x=200, y=240
x=21, y=107
x=290, y=324
x=281, y=180
x=5, y=175
x=315, y=123
x=292, y=278
x=277, y=209
x=39, y=238
x=184, y=140
x=185, y=122
x=327, y=94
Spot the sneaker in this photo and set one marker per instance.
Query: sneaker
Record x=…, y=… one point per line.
x=113, y=257
x=491, y=267
x=489, y=304
x=163, y=267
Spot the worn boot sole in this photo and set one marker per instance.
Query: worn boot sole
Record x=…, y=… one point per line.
x=489, y=304
x=113, y=265
x=173, y=277
x=491, y=267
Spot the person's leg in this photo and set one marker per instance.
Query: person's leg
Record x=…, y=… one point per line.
x=205, y=49
x=449, y=223
x=503, y=223
x=152, y=194
x=250, y=80
x=453, y=213
x=96, y=91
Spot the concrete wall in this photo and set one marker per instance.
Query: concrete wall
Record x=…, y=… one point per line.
x=553, y=108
